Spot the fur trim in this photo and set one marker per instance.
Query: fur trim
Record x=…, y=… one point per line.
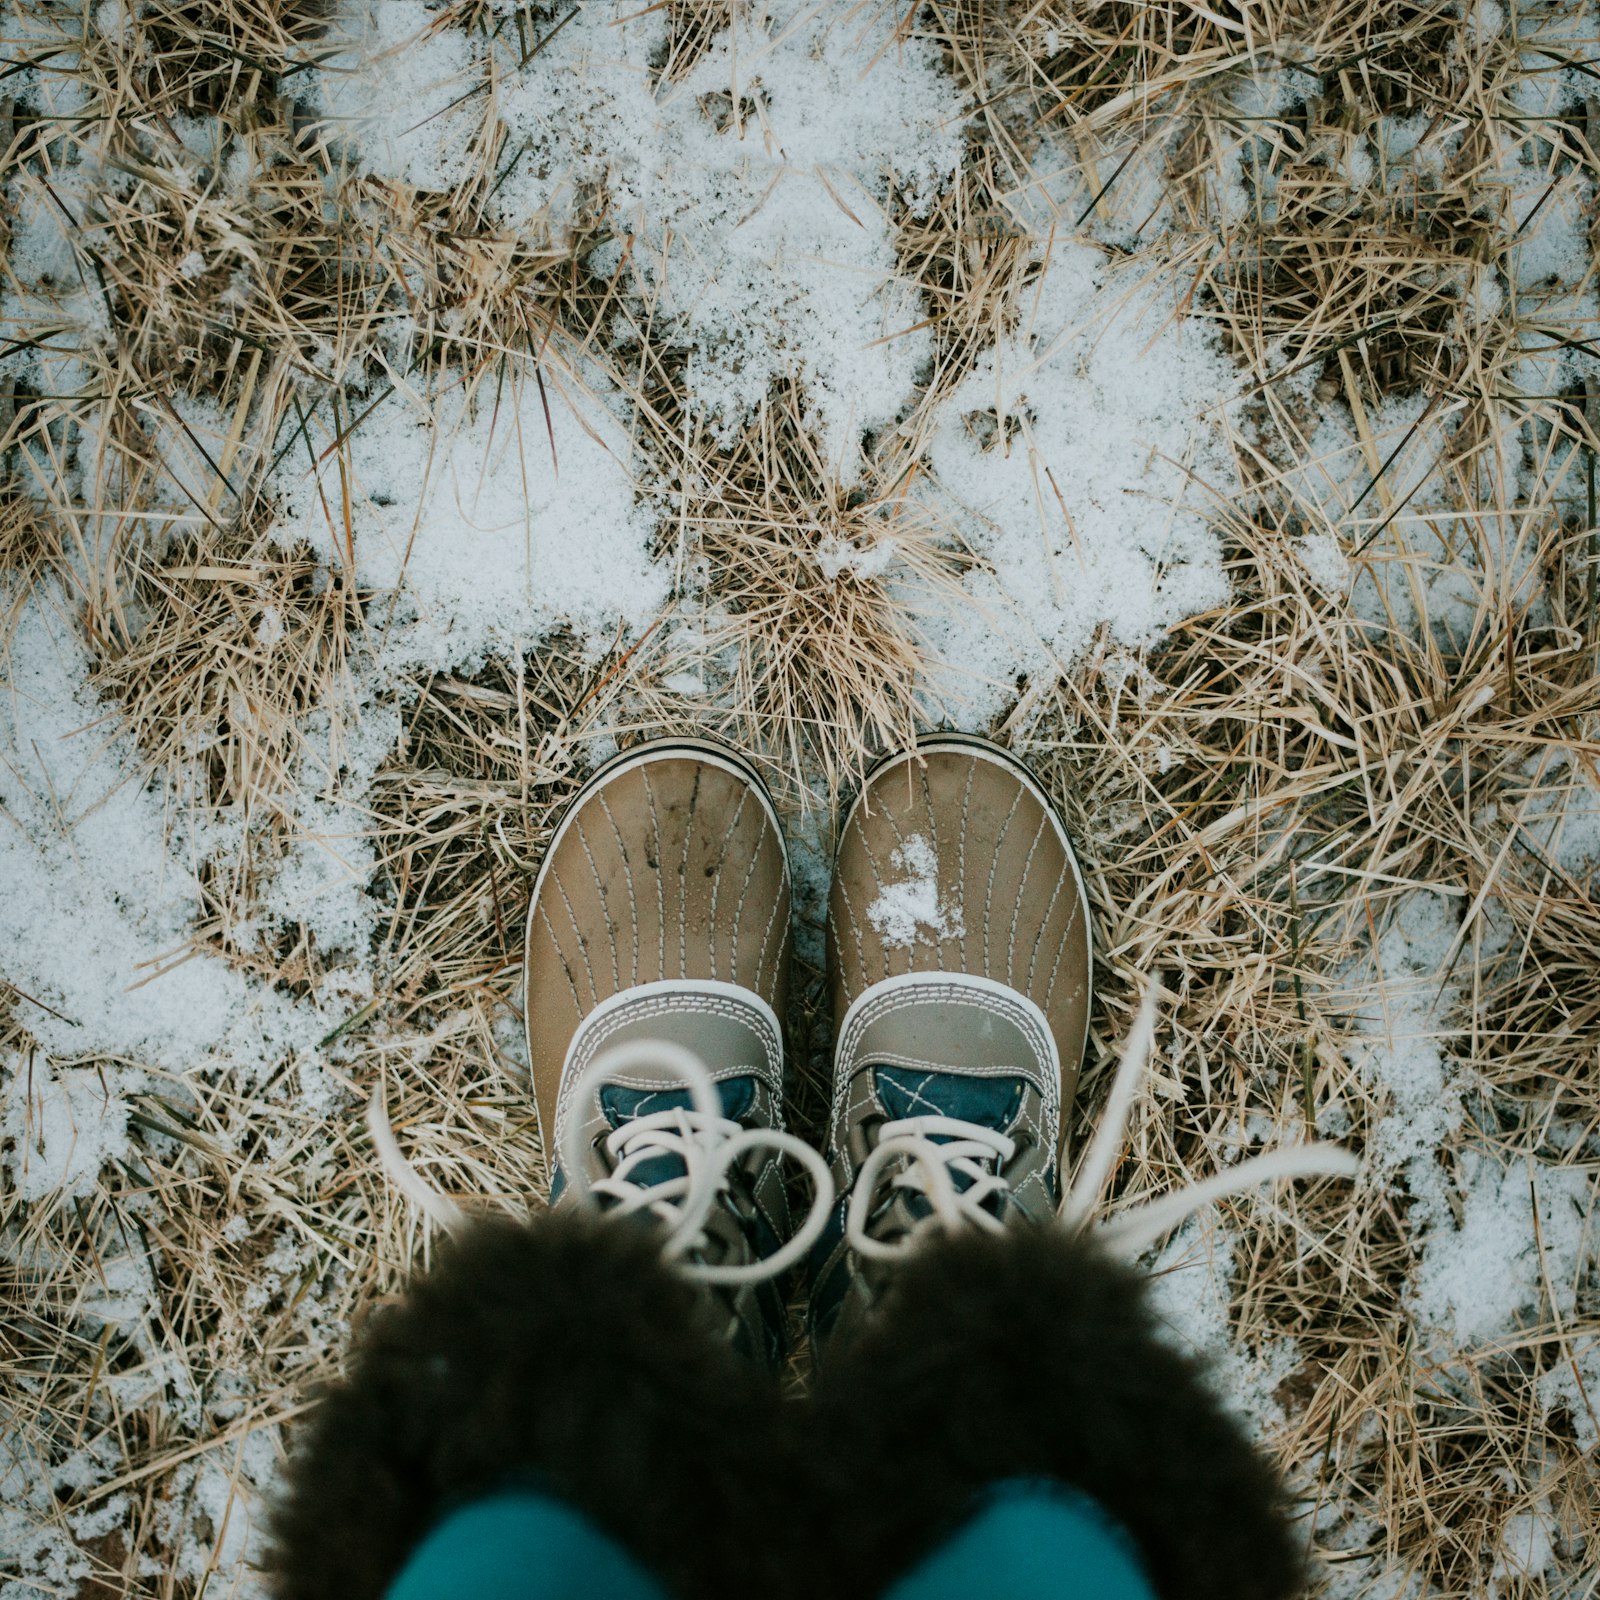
x=1034, y=1354
x=561, y=1353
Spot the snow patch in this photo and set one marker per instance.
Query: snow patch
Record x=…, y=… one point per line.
x=61, y=1126
x=1191, y=1282
x=395, y=91
x=497, y=522
x=903, y=909
x=1491, y=1271
x=1082, y=460
x=98, y=911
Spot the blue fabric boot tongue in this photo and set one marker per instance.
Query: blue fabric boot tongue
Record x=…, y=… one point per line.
x=991, y=1102
x=619, y=1105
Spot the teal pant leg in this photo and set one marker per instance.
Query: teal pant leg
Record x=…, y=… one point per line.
x=1031, y=1541
x=521, y=1546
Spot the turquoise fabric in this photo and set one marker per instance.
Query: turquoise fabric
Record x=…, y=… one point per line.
x=1029, y=1541
x=521, y=1546
x=921, y=1092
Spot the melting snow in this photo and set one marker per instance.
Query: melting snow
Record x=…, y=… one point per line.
x=903, y=909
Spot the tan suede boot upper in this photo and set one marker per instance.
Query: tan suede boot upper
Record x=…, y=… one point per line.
x=959, y=962
x=659, y=926
x=671, y=868
x=976, y=843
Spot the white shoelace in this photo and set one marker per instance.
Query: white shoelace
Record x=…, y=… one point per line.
x=932, y=1151
x=936, y=1150
x=707, y=1143
x=967, y=1148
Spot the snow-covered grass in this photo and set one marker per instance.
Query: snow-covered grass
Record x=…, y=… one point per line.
x=403, y=405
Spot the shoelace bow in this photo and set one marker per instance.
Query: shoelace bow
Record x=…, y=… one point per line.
x=707, y=1143
x=932, y=1151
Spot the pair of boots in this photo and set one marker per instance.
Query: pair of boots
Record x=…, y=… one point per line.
x=620, y=1354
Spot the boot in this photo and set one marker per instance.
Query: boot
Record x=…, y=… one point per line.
x=960, y=968
x=601, y=1354
x=659, y=928
x=965, y=1336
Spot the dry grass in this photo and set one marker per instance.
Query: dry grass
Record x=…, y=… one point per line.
x=1315, y=781
x=693, y=26
x=221, y=650
x=1258, y=800
x=810, y=583
x=973, y=262
x=462, y=810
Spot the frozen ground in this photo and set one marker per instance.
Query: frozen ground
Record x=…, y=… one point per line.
x=1086, y=465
